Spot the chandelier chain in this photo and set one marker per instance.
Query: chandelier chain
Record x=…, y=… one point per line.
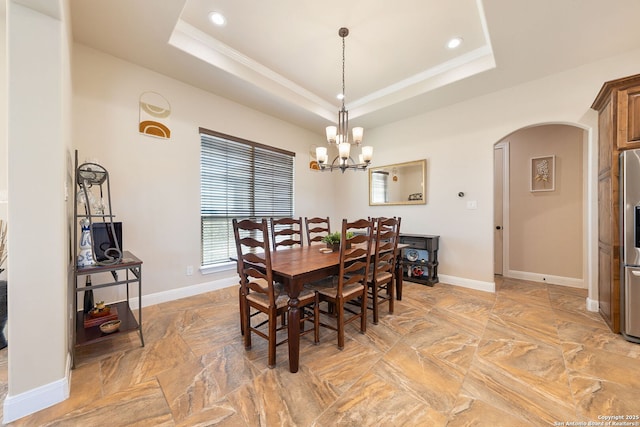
x=343, y=62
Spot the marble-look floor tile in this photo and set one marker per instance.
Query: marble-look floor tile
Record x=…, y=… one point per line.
x=602, y=364
x=205, y=336
x=596, y=337
x=340, y=368
x=537, y=365
x=198, y=384
x=374, y=401
x=126, y=369
x=407, y=319
x=450, y=338
x=528, y=355
x=595, y=397
x=280, y=398
x=533, y=320
x=426, y=376
x=504, y=390
x=159, y=324
x=477, y=309
x=581, y=316
x=141, y=405
x=380, y=337
x=474, y=412
x=220, y=414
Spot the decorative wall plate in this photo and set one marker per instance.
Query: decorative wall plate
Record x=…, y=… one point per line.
x=412, y=255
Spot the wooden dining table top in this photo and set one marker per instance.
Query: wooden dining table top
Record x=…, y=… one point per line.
x=303, y=260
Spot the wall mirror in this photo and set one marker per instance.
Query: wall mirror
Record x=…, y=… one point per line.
x=398, y=184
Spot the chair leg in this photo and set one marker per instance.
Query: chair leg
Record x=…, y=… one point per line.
x=316, y=320
x=242, y=310
x=272, y=339
x=246, y=325
x=390, y=287
x=340, y=323
x=363, y=312
x=374, y=303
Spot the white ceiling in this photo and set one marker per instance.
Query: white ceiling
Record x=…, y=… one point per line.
x=284, y=57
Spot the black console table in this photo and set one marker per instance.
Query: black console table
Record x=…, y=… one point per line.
x=420, y=258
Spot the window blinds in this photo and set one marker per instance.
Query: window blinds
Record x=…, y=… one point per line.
x=239, y=179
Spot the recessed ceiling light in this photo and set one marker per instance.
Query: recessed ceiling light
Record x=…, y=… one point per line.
x=454, y=42
x=217, y=18
x=340, y=96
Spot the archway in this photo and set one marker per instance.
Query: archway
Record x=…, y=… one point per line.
x=541, y=204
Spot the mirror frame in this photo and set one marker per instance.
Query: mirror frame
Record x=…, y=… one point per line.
x=422, y=163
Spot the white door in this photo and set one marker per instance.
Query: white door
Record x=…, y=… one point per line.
x=500, y=156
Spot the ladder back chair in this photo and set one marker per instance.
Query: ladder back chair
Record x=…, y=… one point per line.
x=317, y=228
x=286, y=232
x=382, y=273
x=258, y=291
x=351, y=282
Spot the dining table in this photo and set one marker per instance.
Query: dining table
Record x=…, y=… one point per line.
x=293, y=267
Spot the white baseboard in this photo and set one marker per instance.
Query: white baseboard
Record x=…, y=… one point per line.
x=592, y=305
x=39, y=398
x=468, y=283
x=547, y=278
x=188, y=291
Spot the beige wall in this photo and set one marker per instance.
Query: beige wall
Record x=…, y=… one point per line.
x=3, y=116
x=155, y=183
x=546, y=228
x=38, y=265
x=458, y=142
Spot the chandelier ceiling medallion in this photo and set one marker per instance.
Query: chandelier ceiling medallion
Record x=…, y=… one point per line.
x=339, y=135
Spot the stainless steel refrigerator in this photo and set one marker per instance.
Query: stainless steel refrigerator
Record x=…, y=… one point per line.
x=630, y=248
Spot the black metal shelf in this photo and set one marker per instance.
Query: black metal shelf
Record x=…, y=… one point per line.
x=127, y=271
x=426, y=247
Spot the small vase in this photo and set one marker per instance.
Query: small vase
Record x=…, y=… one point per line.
x=335, y=247
x=85, y=257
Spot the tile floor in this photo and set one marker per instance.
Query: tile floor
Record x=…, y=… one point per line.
x=528, y=355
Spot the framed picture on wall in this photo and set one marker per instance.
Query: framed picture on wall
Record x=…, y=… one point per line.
x=543, y=173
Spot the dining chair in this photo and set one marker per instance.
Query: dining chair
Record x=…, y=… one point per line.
x=380, y=280
x=351, y=282
x=286, y=232
x=260, y=292
x=317, y=228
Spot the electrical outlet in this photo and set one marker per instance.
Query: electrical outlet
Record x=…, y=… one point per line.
x=189, y=270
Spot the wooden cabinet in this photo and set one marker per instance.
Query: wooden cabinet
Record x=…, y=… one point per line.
x=629, y=118
x=618, y=106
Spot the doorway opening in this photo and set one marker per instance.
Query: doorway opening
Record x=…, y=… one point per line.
x=540, y=204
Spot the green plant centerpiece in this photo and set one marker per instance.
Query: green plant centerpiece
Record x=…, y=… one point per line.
x=333, y=240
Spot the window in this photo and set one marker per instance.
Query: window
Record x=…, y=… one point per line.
x=379, y=187
x=239, y=179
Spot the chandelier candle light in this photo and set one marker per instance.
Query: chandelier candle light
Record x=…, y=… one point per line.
x=339, y=135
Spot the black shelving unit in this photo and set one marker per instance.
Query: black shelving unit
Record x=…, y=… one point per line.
x=124, y=269
x=422, y=254
x=132, y=268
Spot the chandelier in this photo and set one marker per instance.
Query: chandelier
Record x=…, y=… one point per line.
x=339, y=135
